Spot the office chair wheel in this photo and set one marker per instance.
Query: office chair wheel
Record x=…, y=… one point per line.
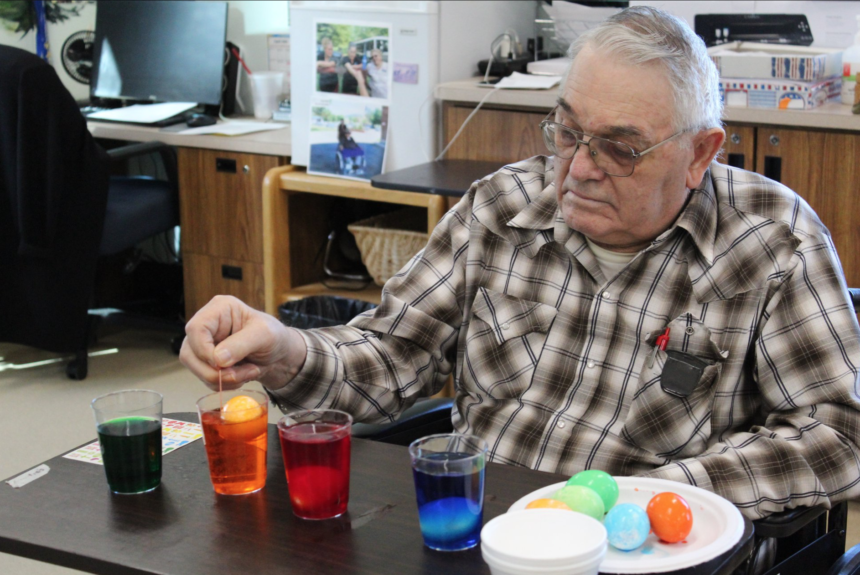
x=763, y=557
x=176, y=343
x=77, y=368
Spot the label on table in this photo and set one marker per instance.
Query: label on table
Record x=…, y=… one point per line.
x=174, y=434
x=29, y=476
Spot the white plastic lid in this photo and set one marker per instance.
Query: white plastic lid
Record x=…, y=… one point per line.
x=544, y=537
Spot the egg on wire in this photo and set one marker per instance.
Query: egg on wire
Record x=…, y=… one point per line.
x=241, y=408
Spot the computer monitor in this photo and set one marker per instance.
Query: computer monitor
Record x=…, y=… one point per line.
x=160, y=51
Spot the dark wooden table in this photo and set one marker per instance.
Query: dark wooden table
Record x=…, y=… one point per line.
x=68, y=517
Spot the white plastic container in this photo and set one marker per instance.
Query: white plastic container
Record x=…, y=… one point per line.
x=851, y=69
x=266, y=88
x=543, y=542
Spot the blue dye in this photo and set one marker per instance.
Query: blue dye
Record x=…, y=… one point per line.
x=450, y=507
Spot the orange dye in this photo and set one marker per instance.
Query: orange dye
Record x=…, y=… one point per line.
x=236, y=452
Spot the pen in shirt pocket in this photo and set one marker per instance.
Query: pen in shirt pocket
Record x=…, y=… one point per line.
x=660, y=344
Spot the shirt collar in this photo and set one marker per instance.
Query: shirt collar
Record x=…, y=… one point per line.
x=699, y=219
x=542, y=212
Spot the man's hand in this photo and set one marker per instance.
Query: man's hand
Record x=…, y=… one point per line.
x=248, y=345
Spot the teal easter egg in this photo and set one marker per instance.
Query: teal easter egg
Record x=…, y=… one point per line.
x=627, y=526
x=601, y=482
x=581, y=499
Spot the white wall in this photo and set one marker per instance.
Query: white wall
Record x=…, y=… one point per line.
x=833, y=24
x=249, y=22
x=467, y=29
x=57, y=34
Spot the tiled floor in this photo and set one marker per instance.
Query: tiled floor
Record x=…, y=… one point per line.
x=46, y=414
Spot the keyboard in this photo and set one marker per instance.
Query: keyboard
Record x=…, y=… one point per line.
x=87, y=111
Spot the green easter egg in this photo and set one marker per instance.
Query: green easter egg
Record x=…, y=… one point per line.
x=581, y=499
x=599, y=481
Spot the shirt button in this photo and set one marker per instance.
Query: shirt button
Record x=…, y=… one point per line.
x=590, y=363
x=606, y=295
x=561, y=425
x=506, y=326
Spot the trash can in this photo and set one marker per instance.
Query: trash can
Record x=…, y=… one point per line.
x=321, y=311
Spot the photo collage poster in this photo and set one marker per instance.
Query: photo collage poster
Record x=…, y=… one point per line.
x=349, y=106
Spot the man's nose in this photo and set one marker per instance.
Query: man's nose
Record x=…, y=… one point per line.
x=582, y=165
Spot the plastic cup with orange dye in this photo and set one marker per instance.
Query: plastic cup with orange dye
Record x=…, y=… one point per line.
x=236, y=440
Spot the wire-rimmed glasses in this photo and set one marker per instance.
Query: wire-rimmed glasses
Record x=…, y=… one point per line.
x=614, y=158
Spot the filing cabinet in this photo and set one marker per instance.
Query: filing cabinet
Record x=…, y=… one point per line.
x=222, y=230
x=739, y=148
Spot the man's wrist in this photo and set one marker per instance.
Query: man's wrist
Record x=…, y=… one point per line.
x=292, y=363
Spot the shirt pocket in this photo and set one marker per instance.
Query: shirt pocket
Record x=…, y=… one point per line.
x=663, y=421
x=504, y=342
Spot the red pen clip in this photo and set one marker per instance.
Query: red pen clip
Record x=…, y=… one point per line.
x=660, y=344
x=663, y=340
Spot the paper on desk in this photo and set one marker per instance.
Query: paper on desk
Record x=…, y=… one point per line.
x=174, y=434
x=232, y=128
x=144, y=113
x=518, y=81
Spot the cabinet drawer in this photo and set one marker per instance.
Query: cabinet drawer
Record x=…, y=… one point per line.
x=494, y=135
x=739, y=148
x=221, y=203
x=206, y=277
x=823, y=168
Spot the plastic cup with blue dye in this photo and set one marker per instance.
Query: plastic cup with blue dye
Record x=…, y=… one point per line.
x=449, y=486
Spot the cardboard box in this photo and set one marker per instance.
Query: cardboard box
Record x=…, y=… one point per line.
x=781, y=94
x=753, y=60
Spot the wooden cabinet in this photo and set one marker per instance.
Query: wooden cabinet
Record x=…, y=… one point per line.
x=221, y=209
x=823, y=167
x=493, y=134
x=739, y=149
x=296, y=206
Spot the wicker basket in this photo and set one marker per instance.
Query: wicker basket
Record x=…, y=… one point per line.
x=388, y=241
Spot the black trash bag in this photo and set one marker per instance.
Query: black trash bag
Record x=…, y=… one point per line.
x=321, y=311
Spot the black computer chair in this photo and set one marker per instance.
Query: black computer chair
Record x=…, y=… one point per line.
x=60, y=210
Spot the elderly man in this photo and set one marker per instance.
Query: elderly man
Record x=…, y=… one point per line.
x=626, y=305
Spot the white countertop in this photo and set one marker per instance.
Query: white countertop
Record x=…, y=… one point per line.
x=270, y=143
x=832, y=116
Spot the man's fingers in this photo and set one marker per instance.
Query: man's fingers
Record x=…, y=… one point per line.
x=211, y=324
x=205, y=372
x=255, y=338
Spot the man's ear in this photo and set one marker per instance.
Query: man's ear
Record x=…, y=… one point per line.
x=706, y=144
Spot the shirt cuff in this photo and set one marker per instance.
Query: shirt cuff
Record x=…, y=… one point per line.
x=689, y=471
x=318, y=383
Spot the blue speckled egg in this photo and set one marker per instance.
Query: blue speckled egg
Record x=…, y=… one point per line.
x=627, y=526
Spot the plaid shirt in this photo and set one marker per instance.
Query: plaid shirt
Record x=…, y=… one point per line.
x=556, y=366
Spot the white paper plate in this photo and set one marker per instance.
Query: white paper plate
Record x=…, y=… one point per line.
x=717, y=527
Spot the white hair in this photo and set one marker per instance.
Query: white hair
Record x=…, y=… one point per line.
x=643, y=34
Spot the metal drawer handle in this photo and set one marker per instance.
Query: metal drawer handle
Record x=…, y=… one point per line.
x=736, y=139
x=774, y=140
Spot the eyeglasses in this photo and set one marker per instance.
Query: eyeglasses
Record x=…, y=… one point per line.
x=614, y=158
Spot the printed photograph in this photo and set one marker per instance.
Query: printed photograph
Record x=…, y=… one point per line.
x=353, y=60
x=348, y=137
